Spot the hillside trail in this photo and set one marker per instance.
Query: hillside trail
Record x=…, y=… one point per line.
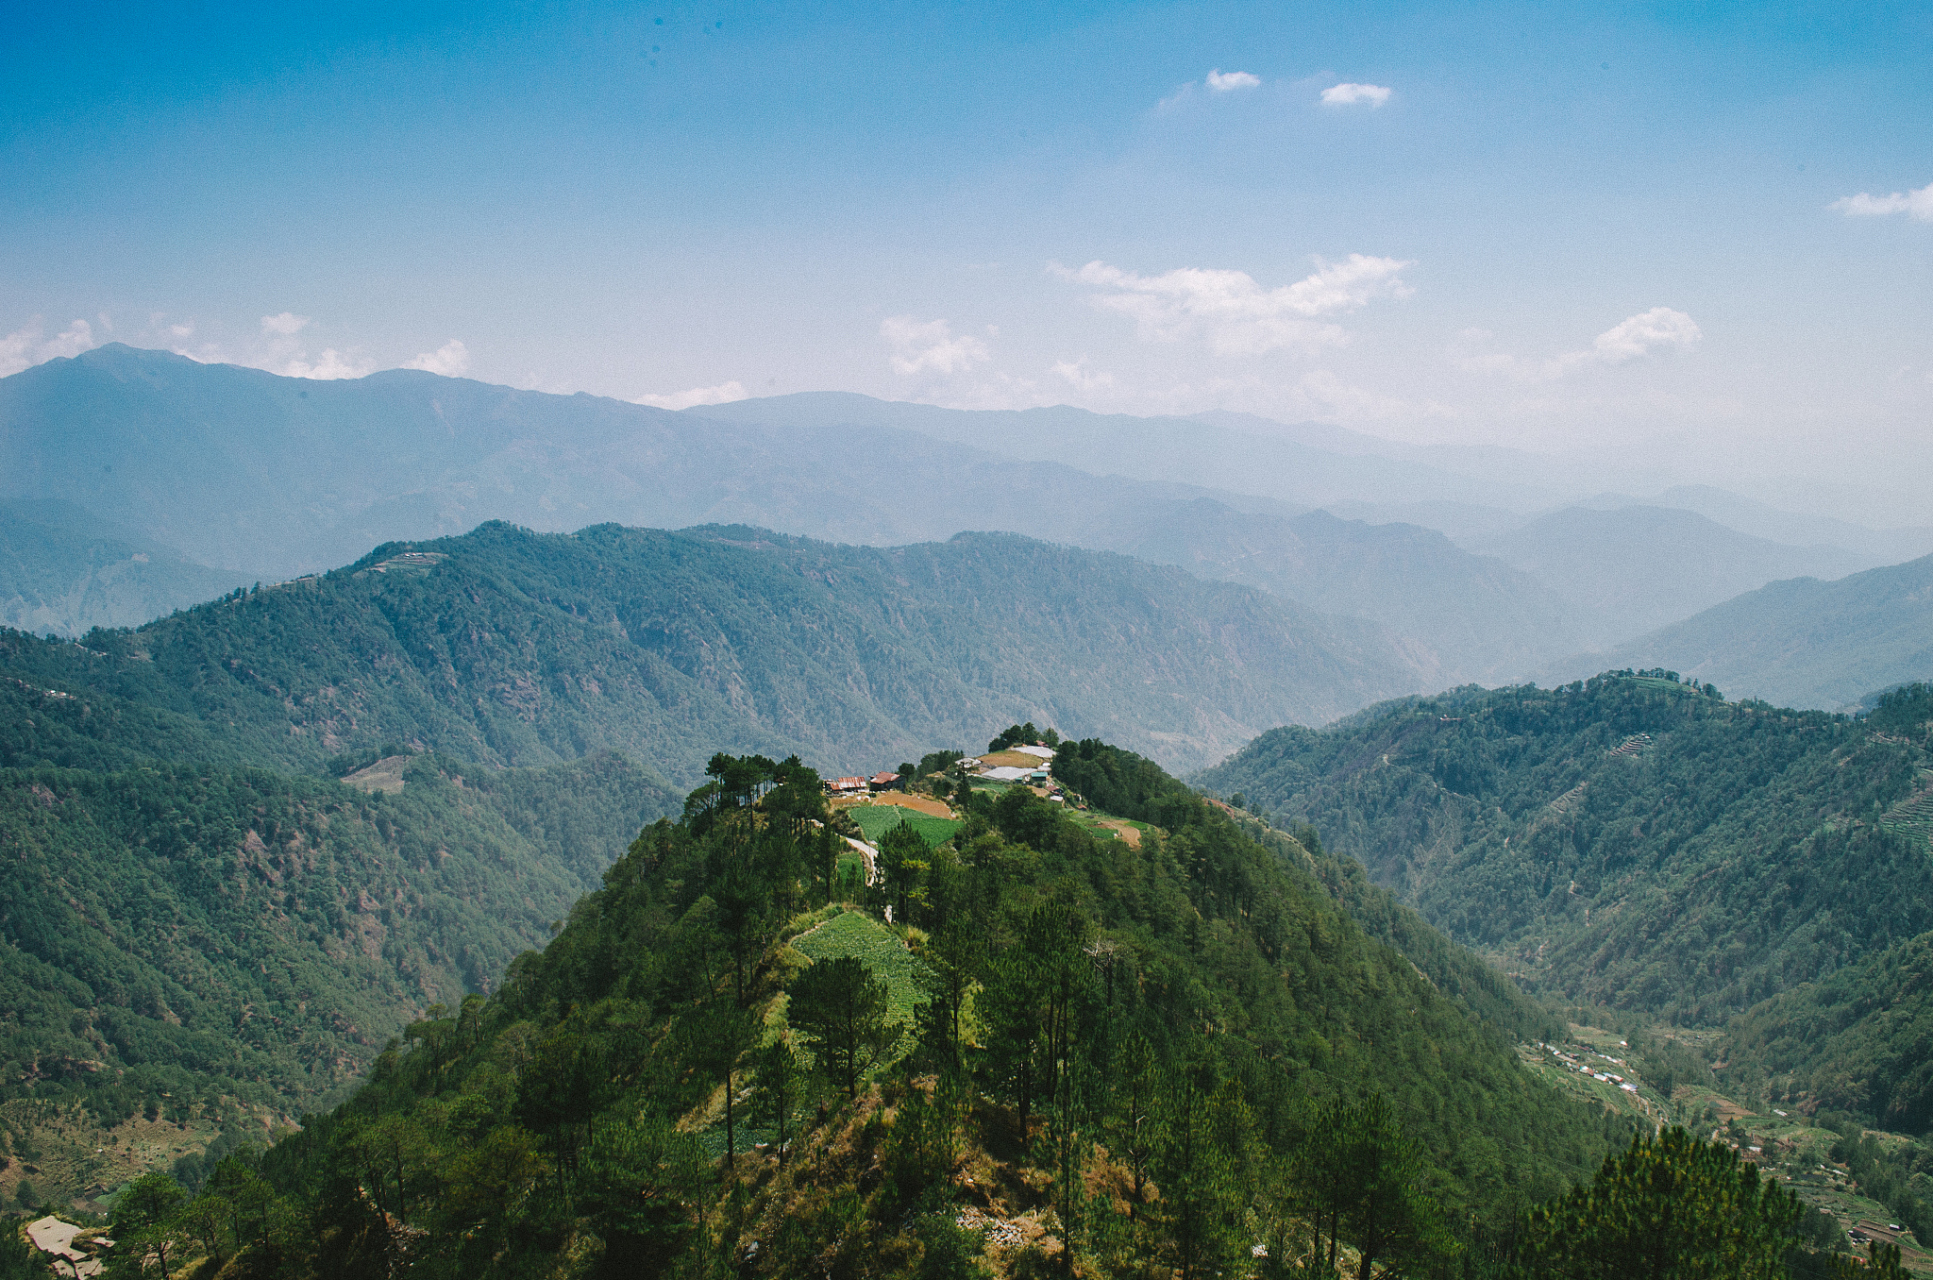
x=870, y=854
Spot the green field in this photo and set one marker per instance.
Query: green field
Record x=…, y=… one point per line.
x=877, y=819
x=854, y=933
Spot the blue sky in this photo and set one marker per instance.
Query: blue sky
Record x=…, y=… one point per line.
x=1554, y=227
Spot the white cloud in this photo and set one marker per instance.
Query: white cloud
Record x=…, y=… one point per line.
x=1349, y=95
x=1080, y=377
x=723, y=393
x=28, y=346
x=1918, y=204
x=71, y=341
x=452, y=360
x=1633, y=338
x=1644, y=333
x=1229, y=81
x=1236, y=315
x=288, y=324
x=333, y=364
x=918, y=347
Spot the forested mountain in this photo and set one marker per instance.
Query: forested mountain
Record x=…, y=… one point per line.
x=1802, y=643
x=1856, y=1041
x=1633, y=569
x=192, y=947
x=63, y=571
x=1630, y=841
x=1130, y=1053
x=508, y=647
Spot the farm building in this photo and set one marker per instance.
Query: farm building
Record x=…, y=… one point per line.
x=1005, y=773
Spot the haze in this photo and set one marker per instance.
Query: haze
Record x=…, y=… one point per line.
x=1675, y=246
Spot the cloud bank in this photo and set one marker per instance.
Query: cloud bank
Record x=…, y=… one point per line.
x=1234, y=314
x=930, y=347
x=452, y=360
x=723, y=393
x=28, y=346
x=1916, y=204
x=1633, y=338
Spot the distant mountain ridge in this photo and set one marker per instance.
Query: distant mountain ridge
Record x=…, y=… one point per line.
x=1630, y=569
x=509, y=647
x=274, y=476
x=1800, y=643
x=284, y=475
x=63, y=570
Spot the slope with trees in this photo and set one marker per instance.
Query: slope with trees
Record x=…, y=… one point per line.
x=1144, y=1053
x=1178, y=1058
x=1630, y=841
x=505, y=646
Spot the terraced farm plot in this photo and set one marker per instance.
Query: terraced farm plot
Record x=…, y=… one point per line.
x=875, y=820
x=1913, y=816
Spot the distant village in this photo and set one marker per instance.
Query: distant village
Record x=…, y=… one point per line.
x=1029, y=764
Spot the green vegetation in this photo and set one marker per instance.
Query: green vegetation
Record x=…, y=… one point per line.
x=208, y=947
x=1629, y=842
x=507, y=647
x=854, y=935
x=1642, y=848
x=1183, y=1056
x=1856, y=1041
x=1667, y=1207
x=198, y=946
x=875, y=820
x=1187, y=1027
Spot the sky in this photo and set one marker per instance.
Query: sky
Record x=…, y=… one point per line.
x=1693, y=231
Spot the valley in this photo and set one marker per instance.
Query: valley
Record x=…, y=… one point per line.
x=292, y=861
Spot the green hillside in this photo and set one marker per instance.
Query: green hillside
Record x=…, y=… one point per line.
x=509, y=647
x=228, y=945
x=1627, y=841
x=1859, y=1041
x=1100, y=1020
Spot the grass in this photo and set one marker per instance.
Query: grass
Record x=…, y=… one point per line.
x=877, y=819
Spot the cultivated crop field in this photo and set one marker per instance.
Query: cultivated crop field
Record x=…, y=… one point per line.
x=877, y=819
x=854, y=933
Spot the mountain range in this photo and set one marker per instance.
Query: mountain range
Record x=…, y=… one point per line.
x=209, y=465
x=508, y=647
x=1799, y=643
